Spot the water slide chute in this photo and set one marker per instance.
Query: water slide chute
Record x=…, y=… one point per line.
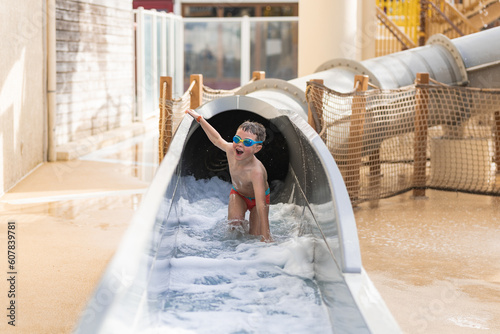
x=302, y=172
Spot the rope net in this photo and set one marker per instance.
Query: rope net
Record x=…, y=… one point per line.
x=386, y=142
x=173, y=111
x=210, y=94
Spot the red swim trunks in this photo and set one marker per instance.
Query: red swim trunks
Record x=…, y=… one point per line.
x=249, y=200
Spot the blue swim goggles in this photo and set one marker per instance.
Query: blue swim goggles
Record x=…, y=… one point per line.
x=247, y=141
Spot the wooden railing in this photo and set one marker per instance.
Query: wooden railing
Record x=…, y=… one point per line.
x=444, y=18
x=391, y=38
x=406, y=24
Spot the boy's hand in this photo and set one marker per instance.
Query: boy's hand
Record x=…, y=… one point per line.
x=193, y=114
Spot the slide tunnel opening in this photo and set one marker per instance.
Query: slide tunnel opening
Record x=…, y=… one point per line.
x=204, y=160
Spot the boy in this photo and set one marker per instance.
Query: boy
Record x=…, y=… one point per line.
x=248, y=175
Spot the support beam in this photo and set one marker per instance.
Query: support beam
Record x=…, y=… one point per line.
x=420, y=141
x=258, y=75
x=315, y=107
x=497, y=141
x=197, y=91
x=355, y=140
x=165, y=122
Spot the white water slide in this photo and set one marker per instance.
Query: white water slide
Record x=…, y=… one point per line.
x=179, y=269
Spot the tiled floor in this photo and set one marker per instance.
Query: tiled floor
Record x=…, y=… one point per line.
x=435, y=261
x=70, y=217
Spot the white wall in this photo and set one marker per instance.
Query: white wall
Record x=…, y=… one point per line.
x=330, y=29
x=95, y=77
x=22, y=87
x=95, y=67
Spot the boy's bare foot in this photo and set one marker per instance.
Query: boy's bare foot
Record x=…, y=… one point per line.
x=269, y=239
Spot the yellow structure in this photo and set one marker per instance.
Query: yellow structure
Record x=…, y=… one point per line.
x=409, y=23
x=405, y=14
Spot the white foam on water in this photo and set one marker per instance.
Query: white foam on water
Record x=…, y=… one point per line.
x=224, y=281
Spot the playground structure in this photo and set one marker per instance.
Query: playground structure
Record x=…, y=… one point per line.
x=404, y=25
x=304, y=171
x=390, y=138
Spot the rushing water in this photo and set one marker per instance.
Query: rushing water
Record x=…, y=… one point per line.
x=224, y=281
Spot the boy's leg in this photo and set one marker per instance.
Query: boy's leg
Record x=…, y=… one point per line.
x=256, y=224
x=236, y=209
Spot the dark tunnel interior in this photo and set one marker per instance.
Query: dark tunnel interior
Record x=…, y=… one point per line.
x=204, y=160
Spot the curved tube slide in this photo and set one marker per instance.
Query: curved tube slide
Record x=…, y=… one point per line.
x=137, y=292
x=137, y=284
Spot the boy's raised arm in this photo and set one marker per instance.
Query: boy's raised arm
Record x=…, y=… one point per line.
x=211, y=133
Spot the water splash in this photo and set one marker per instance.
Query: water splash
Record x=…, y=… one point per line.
x=226, y=281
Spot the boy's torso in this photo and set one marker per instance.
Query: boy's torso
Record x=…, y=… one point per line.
x=243, y=175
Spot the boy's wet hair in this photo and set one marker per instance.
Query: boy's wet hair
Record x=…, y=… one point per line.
x=255, y=128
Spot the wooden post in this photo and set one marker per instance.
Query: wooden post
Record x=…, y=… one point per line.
x=165, y=124
x=497, y=140
x=355, y=140
x=420, y=141
x=314, y=107
x=258, y=75
x=197, y=91
x=375, y=171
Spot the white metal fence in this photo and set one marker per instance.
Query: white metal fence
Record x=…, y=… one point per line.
x=159, y=52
